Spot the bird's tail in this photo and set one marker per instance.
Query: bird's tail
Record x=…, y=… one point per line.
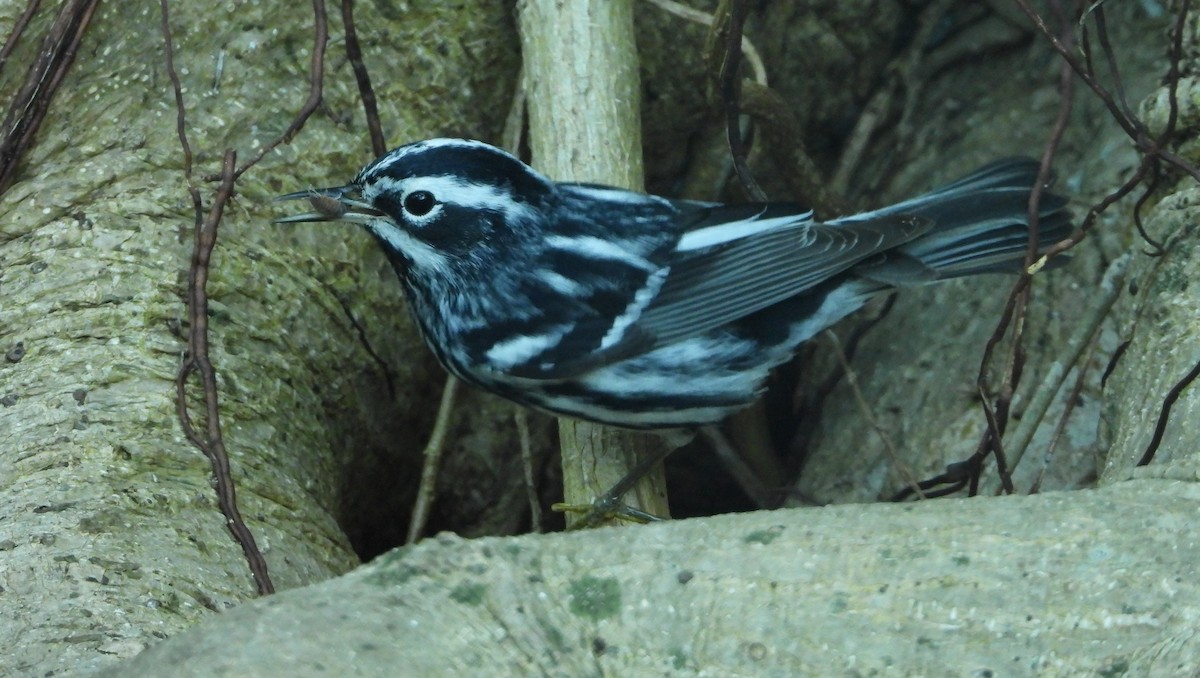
x=980, y=225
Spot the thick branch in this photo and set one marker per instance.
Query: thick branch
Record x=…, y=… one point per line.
x=1101, y=578
x=581, y=72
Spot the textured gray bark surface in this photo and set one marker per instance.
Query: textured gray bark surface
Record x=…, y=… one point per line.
x=109, y=535
x=110, y=538
x=842, y=590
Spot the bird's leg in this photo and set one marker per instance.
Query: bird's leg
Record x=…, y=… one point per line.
x=609, y=505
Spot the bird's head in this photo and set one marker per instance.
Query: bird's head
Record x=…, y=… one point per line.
x=437, y=205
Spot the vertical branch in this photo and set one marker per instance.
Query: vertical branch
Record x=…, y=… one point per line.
x=31, y=102
x=432, y=454
x=730, y=83
x=197, y=360
x=354, y=54
x=581, y=75
x=17, y=31
x=996, y=413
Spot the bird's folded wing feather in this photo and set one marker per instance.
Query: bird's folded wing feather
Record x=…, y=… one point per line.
x=729, y=262
x=713, y=286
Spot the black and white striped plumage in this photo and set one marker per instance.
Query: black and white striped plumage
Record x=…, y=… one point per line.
x=644, y=312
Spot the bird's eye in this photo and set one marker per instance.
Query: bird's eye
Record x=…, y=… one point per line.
x=418, y=203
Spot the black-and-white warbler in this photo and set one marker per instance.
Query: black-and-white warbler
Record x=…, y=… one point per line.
x=640, y=311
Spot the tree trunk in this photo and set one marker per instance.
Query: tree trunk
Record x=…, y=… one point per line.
x=110, y=537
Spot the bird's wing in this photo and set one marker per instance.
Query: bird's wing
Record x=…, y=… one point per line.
x=733, y=263
x=728, y=262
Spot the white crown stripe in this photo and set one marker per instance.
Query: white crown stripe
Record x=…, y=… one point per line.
x=618, y=195
x=420, y=147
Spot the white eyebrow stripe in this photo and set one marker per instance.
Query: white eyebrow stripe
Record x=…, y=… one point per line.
x=454, y=191
x=444, y=189
x=598, y=248
x=735, y=230
x=523, y=348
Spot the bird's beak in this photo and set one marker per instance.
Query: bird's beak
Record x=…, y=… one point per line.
x=339, y=203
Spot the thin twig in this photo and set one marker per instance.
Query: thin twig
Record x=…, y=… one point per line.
x=1016, y=309
x=18, y=29
x=432, y=456
x=1153, y=149
x=1133, y=127
x=1110, y=288
x=869, y=414
x=213, y=443
x=1110, y=57
x=1164, y=414
x=995, y=423
x=354, y=54
x=180, y=109
x=730, y=84
x=521, y=417
x=366, y=343
x=514, y=122
x=32, y=101
x=1068, y=409
x=316, y=81
x=820, y=394
x=757, y=68
x=742, y=472
x=993, y=441
x=197, y=360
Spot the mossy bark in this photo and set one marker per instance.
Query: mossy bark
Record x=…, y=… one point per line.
x=110, y=537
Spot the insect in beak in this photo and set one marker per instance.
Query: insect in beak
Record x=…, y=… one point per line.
x=329, y=204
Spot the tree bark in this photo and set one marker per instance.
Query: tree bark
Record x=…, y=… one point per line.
x=110, y=538
x=946, y=588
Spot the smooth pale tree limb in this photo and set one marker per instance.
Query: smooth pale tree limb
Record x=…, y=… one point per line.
x=581, y=77
x=1077, y=583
